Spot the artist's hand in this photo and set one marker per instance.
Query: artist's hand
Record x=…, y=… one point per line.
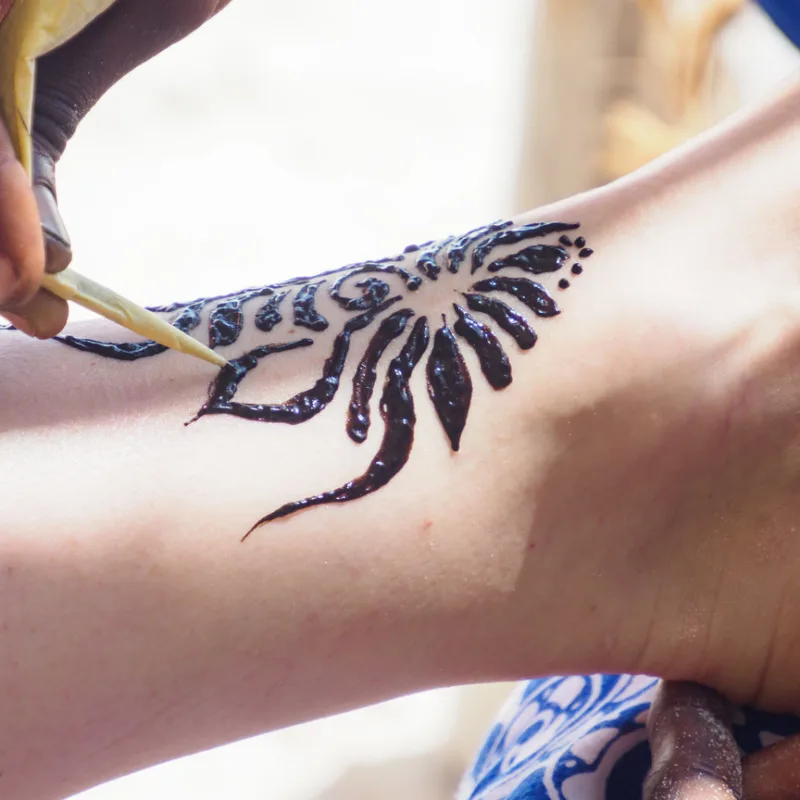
x=70, y=81
x=695, y=756
x=21, y=246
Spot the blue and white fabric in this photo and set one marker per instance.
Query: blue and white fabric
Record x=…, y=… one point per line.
x=584, y=738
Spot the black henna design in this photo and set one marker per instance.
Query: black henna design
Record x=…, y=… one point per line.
x=532, y=294
x=512, y=323
x=365, y=291
x=305, y=309
x=358, y=417
x=397, y=410
x=303, y=406
x=521, y=234
x=449, y=384
x=537, y=259
x=494, y=362
x=187, y=320
x=226, y=320
x=269, y=315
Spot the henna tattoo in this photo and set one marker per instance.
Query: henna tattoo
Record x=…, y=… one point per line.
x=493, y=359
x=269, y=314
x=358, y=418
x=449, y=384
x=303, y=406
x=365, y=291
x=226, y=320
x=505, y=316
x=521, y=234
x=305, y=310
x=532, y=294
x=397, y=410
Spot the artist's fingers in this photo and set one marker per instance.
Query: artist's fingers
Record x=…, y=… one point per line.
x=774, y=772
x=695, y=756
x=21, y=251
x=43, y=316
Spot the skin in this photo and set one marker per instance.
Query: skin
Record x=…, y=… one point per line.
x=611, y=503
x=70, y=81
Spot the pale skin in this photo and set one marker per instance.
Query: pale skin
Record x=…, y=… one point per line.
x=607, y=512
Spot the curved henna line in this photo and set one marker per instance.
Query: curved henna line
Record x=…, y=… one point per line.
x=358, y=415
x=537, y=259
x=529, y=292
x=373, y=292
x=305, y=309
x=534, y=231
x=512, y=323
x=226, y=321
x=186, y=321
x=269, y=315
x=304, y=405
x=449, y=384
x=457, y=251
x=412, y=282
x=226, y=384
x=493, y=359
x=397, y=410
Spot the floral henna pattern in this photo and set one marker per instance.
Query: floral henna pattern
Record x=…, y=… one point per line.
x=364, y=290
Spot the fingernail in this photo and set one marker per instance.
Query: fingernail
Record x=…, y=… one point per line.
x=9, y=279
x=20, y=324
x=58, y=248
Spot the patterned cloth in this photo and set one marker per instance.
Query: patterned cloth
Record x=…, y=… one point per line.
x=583, y=738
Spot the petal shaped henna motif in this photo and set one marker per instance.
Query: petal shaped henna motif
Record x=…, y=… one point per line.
x=536, y=231
x=397, y=410
x=364, y=381
x=364, y=290
x=493, y=359
x=305, y=309
x=449, y=384
x=537, y=259
x=269, y=314
x=532, y=294
x=505, y=316
x=303, y=406
x=227, y=319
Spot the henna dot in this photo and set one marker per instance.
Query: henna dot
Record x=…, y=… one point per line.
x=586, y=252
x=580, y=242
x=566, y=241
x=563, y=284
x=412, y=248
x=577, y=269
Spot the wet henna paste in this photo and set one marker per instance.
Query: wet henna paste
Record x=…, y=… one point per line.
x=448, y=380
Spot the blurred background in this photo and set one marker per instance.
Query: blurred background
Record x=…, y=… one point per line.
x=288, y=138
